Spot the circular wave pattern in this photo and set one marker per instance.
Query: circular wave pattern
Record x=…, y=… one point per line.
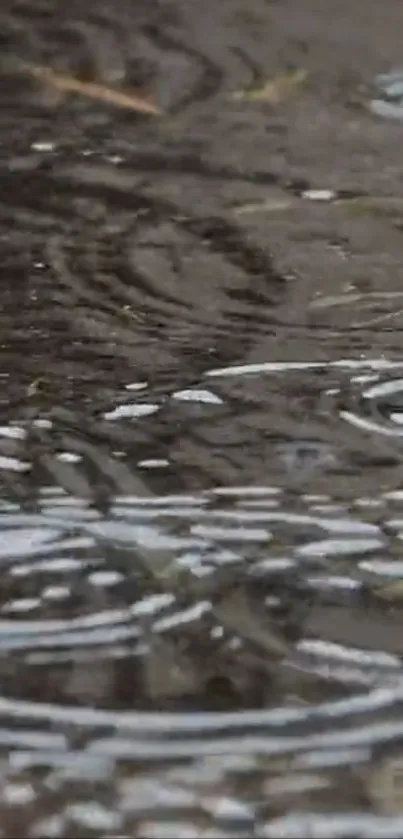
x=108, y=612
x=103, y=617
x=196, y=637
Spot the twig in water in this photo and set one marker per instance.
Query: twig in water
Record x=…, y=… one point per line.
x=92, y=90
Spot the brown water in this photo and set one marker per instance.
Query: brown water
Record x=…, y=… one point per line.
x=201, y=431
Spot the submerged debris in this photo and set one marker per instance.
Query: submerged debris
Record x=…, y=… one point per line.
x=274, y=90
x=65, y=83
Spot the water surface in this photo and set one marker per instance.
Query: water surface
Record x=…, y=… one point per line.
x=201, y=369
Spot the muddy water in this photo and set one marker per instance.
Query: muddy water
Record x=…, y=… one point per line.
x=201, y=421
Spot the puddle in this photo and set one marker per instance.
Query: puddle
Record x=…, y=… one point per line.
x=201, y=414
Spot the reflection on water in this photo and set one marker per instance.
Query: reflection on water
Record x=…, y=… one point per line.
x=201, y=410
x=205, y=663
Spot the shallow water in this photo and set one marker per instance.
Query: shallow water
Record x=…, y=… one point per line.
x=201, y=420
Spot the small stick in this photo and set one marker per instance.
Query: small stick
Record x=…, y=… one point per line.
x=92, y=90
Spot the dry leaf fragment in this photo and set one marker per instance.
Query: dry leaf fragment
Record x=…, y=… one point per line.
x=274, y=90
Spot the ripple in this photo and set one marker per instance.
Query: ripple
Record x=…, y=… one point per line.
x=116, y=554
x=299, y=825
x=378, y=405
x=285, y=366
x=200, y=517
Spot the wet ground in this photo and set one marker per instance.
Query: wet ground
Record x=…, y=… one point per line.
x=201, y=453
